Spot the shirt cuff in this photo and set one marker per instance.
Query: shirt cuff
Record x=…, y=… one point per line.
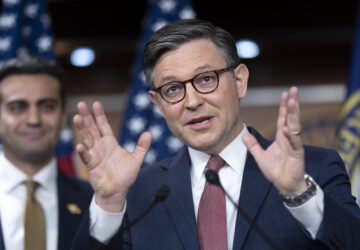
x=310, y=214
x=104, y=225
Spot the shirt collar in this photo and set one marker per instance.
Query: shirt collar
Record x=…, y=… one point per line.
x=234, y=154
x=11, y=176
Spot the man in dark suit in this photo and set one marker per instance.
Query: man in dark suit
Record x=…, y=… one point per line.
x=32, y=115
x=291, y=196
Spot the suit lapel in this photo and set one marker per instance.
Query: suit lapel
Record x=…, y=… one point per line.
x=64, y=215
x=254, y=190
x=69, y=213
x=180, y=204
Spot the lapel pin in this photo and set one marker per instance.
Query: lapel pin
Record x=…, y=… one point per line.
x=73, y=208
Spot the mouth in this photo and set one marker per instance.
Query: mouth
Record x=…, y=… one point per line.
x=200, y=122
x=33, y=135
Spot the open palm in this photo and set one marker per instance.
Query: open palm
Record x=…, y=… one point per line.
x=112, y=169
x=282, y=162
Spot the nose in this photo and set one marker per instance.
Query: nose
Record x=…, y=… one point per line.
x=34, y=116
x=193, y=99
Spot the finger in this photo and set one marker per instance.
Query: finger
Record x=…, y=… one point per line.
x=294, y=140
x=293, y=118
x=293, y=129
x=83, y=153
x=101, y=120
x=83, y=109
x=85, y=137
x=253, y=146
x=142, y=146
x=281, y=122
x=88, y=120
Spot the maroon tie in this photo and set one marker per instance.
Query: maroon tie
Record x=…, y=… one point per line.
x=211, y=220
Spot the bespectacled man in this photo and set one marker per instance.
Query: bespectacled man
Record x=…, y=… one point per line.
x=296, y=197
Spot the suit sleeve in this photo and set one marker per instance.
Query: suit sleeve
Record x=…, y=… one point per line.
x=84, y=240
x=340, y=227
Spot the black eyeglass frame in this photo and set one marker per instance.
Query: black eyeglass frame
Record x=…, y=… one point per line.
x=217, y=72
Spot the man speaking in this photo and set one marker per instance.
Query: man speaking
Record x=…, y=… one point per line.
x=290, y=196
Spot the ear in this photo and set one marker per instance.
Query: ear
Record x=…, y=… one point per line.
x=241, y=74
x=155, y=99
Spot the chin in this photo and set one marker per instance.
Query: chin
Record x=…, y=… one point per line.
x=208, y=147
x=37, y=157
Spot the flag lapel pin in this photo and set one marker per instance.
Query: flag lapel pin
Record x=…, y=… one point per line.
x=73, y=208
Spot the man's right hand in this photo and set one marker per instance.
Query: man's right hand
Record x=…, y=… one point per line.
x=112, y=169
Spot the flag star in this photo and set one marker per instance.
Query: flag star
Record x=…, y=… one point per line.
x=174, y=143
x=44, y=43
x=11, y=2
x=46, y=21
x=150, y=156
x=26, y=31
x=142, y=77
x=187, y=13
x=66, y=135
x=22, y=52
x=7, y=21
x=157, y=111
x=167, y=6
x=156, y=131
x=31, y=10
x=129, y=146
x=141, y=100
x=5, y=43
x=158, y=25
x=136, y=125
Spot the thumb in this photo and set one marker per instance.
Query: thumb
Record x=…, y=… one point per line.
x=253, y=146
x=142, y=146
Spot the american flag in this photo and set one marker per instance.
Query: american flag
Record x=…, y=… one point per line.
x=141, y=114
x=25, y=29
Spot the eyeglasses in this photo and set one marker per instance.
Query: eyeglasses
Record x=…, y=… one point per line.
x=204, y=83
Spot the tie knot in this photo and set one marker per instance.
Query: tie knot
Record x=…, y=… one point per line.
x=215, y=163
x=31, y=187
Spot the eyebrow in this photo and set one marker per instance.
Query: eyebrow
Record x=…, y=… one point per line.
x=40, y=101
x=199, y=70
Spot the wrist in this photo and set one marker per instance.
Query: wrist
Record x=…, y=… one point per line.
x=299, y=188
x=112, y=204
x=302, y=197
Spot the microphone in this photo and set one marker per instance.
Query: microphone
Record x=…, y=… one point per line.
x=160, y=195
x=213, y=178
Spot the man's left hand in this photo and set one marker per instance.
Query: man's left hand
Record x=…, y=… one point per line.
x=282, y=162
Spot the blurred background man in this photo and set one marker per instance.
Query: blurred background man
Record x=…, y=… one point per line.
x=40, y=207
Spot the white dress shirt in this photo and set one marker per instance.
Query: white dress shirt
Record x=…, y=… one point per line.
x=13, y=198
x=231, y=178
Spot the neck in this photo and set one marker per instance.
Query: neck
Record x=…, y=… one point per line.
x=29, y=168
x=227, y=141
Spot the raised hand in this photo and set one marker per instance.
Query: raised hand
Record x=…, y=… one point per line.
x=282, y=162
x=112, y=169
